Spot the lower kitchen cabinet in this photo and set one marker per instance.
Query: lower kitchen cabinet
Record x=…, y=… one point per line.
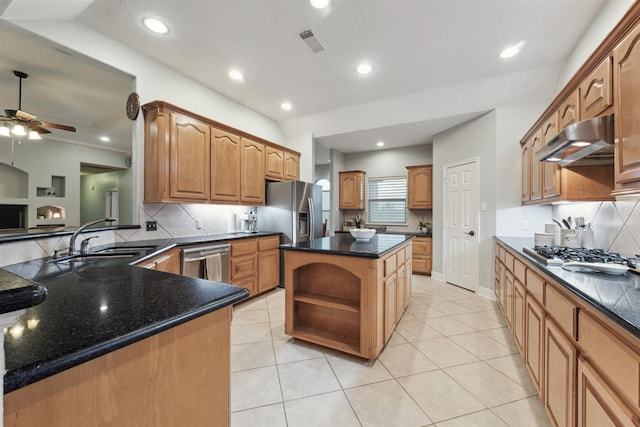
x=390, y=295
x=168, y=261
x=421, y=248
x=559, y=376
x=518, y=314
x=268, y=263
x=598, y=404
x=255, y=264
x=534, y=341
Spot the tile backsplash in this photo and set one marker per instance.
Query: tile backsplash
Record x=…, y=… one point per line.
x=616, y=225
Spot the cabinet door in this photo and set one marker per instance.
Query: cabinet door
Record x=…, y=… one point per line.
x=518, y=314
x=291, y=166
x=351, y=190
x=508, y=298
x=626, y=67
x=189, y=159
x=268, y=269
x=400, y=290
x=534, y=342
x=550, y=170
x=252, y=183
x=389, y=306
x=226, y=151
x=536, y=166
x=598, y=405
x=569, y=111
x=274, y=163
x=407, y=284
x=526, y=172
x=596, y=91
x=559, y=376
x=420, y=187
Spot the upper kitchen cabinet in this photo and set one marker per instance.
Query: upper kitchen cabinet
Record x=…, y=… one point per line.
x=526, y=171
x=252, y=172
x=626, y=81
x=596, y=92
x=420, y=187
x=569, y=111
x=291, y=166
x=177, y=151
x=536, y=167
x=351, y=190
x=226, y=155
x=274, y=163
x=550, y=171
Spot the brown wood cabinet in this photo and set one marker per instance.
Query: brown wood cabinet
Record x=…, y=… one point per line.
x=420, y=187
x=526, y=171
x=559, y=376
x=596, y=91
x=626, y=68
x=255, y=264
x=252, y=184
x=177, y=377
x=536, y=167
x=191, y=159
x=534, y=342
x=226, y=152
x=168, y=261
x=351, y=189
x=343, y=302
x=421, y=247
x=569, y=110
x=550, y=171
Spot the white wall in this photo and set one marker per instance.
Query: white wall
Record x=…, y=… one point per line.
x=303, y=143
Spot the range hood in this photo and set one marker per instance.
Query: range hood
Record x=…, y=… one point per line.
x=589, y=142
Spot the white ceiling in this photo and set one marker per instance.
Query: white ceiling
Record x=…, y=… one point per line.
x=436, y=62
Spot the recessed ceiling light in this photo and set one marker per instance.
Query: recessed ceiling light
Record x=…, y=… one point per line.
x=236, y=75
x=364, y=68
x=286, y=106
x=104, y=138
x=155, y=25
x=380, y=144
x=511, y=51
x=319, y=4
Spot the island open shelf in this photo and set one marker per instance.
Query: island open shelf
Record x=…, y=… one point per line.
x=342, y=299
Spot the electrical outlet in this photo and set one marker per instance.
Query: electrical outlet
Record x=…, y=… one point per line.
x=198, y=223
x=525, y=225
x=152, y=225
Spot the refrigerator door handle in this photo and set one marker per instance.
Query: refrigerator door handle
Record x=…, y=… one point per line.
x=312, y=219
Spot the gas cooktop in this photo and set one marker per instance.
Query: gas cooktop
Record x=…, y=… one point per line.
x=579, y=259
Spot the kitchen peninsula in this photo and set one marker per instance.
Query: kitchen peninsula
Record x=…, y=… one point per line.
x=346, y=294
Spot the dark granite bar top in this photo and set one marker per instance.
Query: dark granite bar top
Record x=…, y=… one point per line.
x=345, y=244
x=407, y=233
x=100, y=305
x=17, y=293
x=617, y=296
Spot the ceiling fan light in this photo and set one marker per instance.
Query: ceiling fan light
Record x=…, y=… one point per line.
x=33, y=135
x=18, y=130
x=5, y=131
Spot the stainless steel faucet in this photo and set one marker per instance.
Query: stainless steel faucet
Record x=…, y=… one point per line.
x=72, y=242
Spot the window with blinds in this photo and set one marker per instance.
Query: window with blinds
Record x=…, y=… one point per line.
x=387, y=200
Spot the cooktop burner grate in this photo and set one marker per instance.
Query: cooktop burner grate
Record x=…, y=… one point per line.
x=556, y=255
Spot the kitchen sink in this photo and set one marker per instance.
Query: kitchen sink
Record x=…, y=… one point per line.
x=96, y=256
x=123, y=249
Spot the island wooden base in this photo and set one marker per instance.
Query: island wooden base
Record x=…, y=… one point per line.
x=348, y=303
x=179, y=377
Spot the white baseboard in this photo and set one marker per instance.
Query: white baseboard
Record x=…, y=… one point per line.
x=436, y=275
x=487, y=293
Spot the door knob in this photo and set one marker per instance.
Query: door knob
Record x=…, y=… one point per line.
x=470, y=233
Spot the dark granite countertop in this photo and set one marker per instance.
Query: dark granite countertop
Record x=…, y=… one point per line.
x=407, y=233
x=345, y=244
x=17, y=292
x=101, y=305
x=618, y=297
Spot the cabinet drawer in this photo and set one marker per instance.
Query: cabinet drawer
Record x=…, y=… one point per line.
x=420, y=265
x=267, y=243
x=244, y=267
x=502, y=254
x=401, y=257
x=519, y=270
x=244, y=247
x=390, y=265
x=535, y=285
x=610, y=356
x=420, y=246
x=508, y=261
x=561, y=310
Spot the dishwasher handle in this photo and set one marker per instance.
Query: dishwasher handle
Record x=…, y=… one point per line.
x=200, y=252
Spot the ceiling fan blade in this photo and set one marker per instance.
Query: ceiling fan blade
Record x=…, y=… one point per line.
x=20, y=114
x=39, y=129
x=57, y=126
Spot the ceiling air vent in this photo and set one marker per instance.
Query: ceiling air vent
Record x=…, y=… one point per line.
x=312, y=41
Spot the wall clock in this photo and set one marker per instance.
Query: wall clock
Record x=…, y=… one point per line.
x=133, y=105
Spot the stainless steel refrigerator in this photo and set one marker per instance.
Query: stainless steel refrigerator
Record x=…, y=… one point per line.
x=293, y=208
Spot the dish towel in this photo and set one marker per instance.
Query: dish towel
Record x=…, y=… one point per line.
x=213, y=267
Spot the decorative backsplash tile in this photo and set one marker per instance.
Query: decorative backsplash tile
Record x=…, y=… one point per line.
x=616, y=225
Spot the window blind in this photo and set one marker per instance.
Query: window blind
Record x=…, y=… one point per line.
x=387, y=200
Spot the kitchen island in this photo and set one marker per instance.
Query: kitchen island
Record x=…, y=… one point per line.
x=345, y=294
x=116, y=344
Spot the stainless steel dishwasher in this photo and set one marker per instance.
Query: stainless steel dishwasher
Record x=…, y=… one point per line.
x=194, y=259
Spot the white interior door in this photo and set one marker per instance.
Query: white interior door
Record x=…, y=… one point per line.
x=460, y=228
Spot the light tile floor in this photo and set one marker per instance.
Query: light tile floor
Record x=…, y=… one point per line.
x=450, y=362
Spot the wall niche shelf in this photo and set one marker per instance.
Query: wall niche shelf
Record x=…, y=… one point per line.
x=57, y=188
x=50, y=212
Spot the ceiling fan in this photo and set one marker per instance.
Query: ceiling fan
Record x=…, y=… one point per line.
x=17, y=121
